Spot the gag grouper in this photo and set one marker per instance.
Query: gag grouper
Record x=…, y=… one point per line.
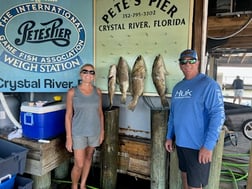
x=111, y=83
x=123, y=78
x=137, y=77
x=159, y=74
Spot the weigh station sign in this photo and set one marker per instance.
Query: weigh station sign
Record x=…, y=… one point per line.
x=43, y=45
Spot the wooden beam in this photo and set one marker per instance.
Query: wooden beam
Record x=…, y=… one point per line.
x=224, y=32
x=243, y=57
x=216, y=23
x=235, y=65
x=228, y=61
x=197, y=26
x=239, y=42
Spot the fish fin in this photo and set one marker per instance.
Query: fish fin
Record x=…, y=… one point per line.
x=110, y=77
x=117, y=80
x=165, y=71
x=132, y=106
x=110, y=80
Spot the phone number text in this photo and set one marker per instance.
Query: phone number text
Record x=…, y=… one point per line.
x=139, y=14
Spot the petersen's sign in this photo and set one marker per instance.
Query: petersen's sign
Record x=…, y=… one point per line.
x=45, y=44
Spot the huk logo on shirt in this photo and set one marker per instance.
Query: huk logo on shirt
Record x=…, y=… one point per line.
x=183, y=94
x=41, y=37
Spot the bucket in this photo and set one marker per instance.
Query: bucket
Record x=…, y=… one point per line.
x=14, y=106
x=7, y=182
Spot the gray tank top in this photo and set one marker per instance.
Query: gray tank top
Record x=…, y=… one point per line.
x=86, y=120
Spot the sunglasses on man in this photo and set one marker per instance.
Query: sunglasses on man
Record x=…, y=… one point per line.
x=185, y=61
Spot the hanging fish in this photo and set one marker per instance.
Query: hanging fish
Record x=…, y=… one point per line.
x=159, y=74
x=123, y=78
x=138, y=75
x=111, y=84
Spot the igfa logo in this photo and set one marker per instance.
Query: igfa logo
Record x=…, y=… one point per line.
x=42, y=38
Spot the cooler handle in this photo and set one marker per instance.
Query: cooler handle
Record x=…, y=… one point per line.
x=6, y=177
x=28, y=118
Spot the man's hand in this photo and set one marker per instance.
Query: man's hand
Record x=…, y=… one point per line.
x=205, y=155
x=169, y=145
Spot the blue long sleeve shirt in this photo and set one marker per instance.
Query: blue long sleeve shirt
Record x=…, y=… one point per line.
x=197, y=113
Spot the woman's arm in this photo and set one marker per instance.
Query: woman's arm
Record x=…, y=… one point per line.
x=68, y=119
x=101, y=116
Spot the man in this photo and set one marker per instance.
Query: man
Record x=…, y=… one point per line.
x=238, y=89
x=196, y=118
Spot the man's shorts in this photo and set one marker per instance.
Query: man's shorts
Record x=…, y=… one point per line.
x=81, y=142
x=197, y=173
x=238, y=92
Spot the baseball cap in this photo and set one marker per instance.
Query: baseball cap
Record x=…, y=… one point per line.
x=189, y=53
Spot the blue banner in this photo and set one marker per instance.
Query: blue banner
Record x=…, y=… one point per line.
x=44, y=44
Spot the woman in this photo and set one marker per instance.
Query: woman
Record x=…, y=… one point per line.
x=84, y=123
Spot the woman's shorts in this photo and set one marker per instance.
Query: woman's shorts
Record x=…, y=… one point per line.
x=81, y=142
x=197, y=173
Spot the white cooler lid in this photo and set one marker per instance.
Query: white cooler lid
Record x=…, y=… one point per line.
x=25, y=107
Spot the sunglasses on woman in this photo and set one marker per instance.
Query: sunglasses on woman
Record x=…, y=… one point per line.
x=91, y=72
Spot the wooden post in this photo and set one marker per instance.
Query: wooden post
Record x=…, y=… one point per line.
x=109, y=149
x=215, y=170
x=42, y=182
x=175, y=181
x=159, y=169
x=249, y=181
x=62, y=170
x=214, y=177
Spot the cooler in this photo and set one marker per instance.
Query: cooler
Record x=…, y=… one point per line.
x=42, y=122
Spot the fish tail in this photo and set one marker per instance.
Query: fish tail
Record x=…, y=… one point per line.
x=110, y=106
x=111, y=96
x=133, y=104
x=111, y=102
x=164, y=101
x=123, y=98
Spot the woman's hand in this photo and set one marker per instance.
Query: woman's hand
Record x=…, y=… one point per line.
x=69, y=144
